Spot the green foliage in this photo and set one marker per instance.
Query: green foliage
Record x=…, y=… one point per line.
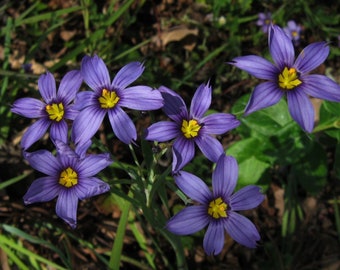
x=270, y=146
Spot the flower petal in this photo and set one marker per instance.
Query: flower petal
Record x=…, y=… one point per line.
x=140, y=98
x=224, y=177
x=264, y=95
x=122, y=125
x=174, y=106
x=301, y=109
x=246, y=198
x=59, y=131
x=320, y=86
x=70, y=112
x=43, y=189
x=64, y=149
x=69, y=86
x=183, y=151
x=47, y=88
x=241, y=229
x=256, y=66
x=193, y=187
x=66, y=207
x=95, y=73
x=29, y=107
x=214, y=238
x=43, y=161
x=87, y=123
x=201, y=101
x=93, y=164
x=210, y=147
x=162, y=131
x=82, y=148
x=89, y=187
x=127, y=75
x=219, y=123
x=311, y=57
x=281, y=47
x=35, y=132
x=189, y=220
x=84, y=99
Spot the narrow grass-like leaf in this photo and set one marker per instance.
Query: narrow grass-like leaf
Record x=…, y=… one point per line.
x=46, y=16
x=116, y=15
x=141, y=240
x=17, y=232
x=208, y=58
x=115, y=257
x=20, y=249
x=13, y=180
x=15, y=259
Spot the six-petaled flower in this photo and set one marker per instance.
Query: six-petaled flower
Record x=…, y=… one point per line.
x=53, y=111
x=293, y=30
x=70, y=176
x=109, y=98
x=264, y=21
x=191, y=127
x=217, y=208
x=289, y=77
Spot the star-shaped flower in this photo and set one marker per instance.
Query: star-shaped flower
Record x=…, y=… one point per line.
x=53, y=111
x=217, y=208
x=109, y=98
x=289, y=77
x=191, y=127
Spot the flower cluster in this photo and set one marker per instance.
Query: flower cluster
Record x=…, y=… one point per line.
x=70, y=174
x=293, y=30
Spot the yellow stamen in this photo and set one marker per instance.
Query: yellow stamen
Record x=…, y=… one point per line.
x=190, y=128
x=68, y=178
x=218, y=208
x=289, y=79
x=108, y=99
x=55, y=111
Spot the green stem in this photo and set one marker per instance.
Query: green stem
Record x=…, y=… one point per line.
x=116, y=252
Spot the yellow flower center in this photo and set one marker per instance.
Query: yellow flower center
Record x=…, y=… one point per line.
x=190, y=128
x=294, y=33
x=218, y=208
x=68, y=178
x=289, y=79
x=55, y=111
x=108, y=99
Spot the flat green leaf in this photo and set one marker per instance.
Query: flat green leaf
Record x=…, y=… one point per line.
x=311, y=170
x=249, y=147
x=251, y=171
x=269, y=121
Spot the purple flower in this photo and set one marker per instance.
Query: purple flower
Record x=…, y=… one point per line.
x=191, y=127
x=293, y=31
x=217, y=208
x=290, y=77
x=70, y=176
x=264, y=20
x=109, y=98
x=52, y=111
